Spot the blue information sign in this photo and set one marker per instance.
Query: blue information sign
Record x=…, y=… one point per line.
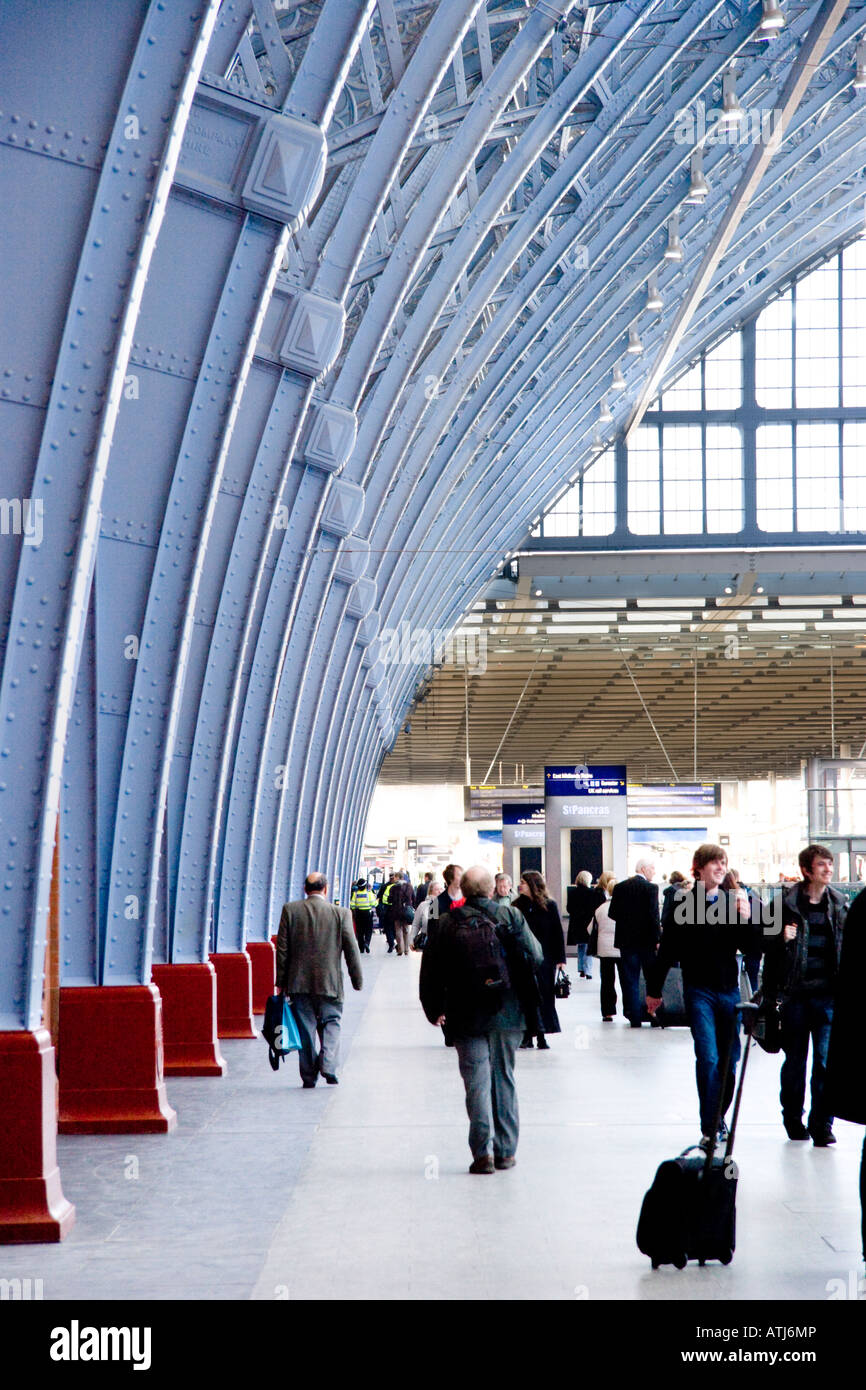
x=583, y=780
x=523, y=813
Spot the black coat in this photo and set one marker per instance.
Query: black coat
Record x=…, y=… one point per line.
x=846, y=1074
x=546, y=926
x=785, y=961
x=634, y=906
x=440, y=985
x=580, y=904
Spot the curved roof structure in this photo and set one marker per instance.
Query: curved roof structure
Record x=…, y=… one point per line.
x=333, y=295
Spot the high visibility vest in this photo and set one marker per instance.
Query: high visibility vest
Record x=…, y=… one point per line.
x=363, y=900
x=386, y=896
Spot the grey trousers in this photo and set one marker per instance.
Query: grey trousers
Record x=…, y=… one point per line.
x=317, y=1015
x=401, y=932
x=487, y=1068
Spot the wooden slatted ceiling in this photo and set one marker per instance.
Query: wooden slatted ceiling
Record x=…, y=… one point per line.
x=761, y=710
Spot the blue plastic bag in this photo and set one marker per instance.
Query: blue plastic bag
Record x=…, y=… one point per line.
x=288, y=1035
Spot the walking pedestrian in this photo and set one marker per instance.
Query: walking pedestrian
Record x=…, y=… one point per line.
x=313, y=936
x=634, y=907
x=470, y=985
x=542, y=918
x=362, y=905
x=800, y=971
x=707, y=931
x=581, y=901
x=422, y=914
x=604, y=932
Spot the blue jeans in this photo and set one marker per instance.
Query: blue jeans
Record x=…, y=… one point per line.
x=584, y=962
x=630, y=965
x=711, y=1018
x=810, y=1015
x=487, y=1068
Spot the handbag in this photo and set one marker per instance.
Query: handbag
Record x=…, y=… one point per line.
x=420, y=941
x=280, y=1030
x=765, y=1025
x=562, y=984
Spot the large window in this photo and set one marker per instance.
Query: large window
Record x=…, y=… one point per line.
x=811, y=343
x=803, y=424
x=588, y=507
x=812, y=476
x=685, y=479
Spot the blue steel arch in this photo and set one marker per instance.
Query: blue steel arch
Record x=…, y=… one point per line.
x=333, y=386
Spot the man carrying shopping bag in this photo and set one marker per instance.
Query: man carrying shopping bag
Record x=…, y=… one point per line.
x=313, y=935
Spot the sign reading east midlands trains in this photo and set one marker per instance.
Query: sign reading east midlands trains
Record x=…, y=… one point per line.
x=523, y=813
x=584, y=780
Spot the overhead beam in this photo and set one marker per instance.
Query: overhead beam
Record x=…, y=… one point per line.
x=802, y=71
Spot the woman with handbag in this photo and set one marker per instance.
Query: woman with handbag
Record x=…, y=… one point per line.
x=543, y=920
x=422, y=914
x=601, y=944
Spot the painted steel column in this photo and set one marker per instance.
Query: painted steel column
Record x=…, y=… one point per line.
x=242, y=870
x=50, y=603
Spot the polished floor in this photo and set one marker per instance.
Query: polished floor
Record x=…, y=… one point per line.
x=268, y=1191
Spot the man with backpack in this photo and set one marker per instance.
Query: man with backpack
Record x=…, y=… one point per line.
x=477, y=982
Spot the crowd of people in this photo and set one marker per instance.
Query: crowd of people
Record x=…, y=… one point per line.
x=490, y=960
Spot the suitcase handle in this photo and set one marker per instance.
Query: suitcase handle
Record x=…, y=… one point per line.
x=739, y=1008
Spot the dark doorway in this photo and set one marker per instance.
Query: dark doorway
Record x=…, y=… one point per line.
x=587, y=852
x=530, y=858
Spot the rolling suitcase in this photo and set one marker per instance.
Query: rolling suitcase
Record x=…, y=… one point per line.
x=689, y=1213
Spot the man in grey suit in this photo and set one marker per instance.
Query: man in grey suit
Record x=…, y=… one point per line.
x=313, y=935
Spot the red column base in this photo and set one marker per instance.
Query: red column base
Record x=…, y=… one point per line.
x=234, y=994
x=33, y=1208
x=264, y=962
x=189, y=997
x=111, y=1061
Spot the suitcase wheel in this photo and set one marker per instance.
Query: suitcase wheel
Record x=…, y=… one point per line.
x=702, y=1263
x=727, y=1257
x=655, y=1264
x=681, y=1262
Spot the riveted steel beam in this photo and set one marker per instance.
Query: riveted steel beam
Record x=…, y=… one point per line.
x=162, y=50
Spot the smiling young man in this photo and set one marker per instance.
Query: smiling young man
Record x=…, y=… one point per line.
x=801, y=972
x=708, y=929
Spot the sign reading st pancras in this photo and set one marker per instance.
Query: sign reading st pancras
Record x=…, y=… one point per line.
x=584, y=780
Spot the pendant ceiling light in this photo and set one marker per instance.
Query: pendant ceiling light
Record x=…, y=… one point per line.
x=618, y=381
x=654, y=301
x=732, y=111
x=772, y=19
x=860, y=74
x=698, y=186
x=674, y=248
x=605, y=415
x=635, y=346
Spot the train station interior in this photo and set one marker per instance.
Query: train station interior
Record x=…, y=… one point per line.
x=432, y=432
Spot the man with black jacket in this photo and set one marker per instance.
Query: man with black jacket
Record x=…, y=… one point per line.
x=707, y=930
x=485, y=1031
x=634, y=906
x=800, y=971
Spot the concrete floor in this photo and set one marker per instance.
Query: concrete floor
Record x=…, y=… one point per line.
x=267, y=1191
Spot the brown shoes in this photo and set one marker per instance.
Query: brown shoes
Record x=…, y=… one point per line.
x=484, y=1164
x=507, y=1161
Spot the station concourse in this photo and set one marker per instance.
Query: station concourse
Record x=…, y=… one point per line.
x=397, y=393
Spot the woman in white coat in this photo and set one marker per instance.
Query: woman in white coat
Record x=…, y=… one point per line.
x=603, y=932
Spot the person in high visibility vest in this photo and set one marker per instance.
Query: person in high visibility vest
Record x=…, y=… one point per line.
x=362, y=903
x=387, y=905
